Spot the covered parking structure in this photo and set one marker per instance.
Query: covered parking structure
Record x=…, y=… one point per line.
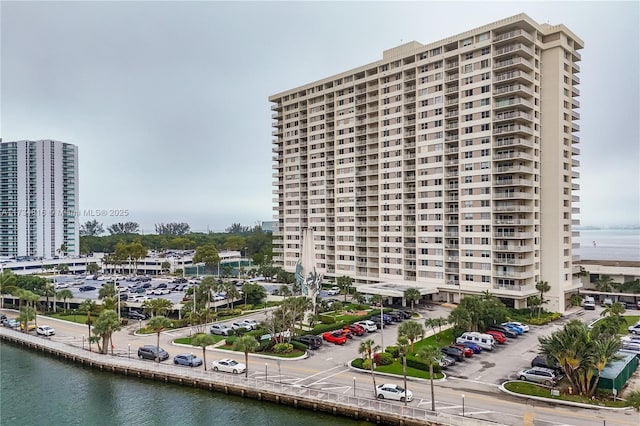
x=617, y=372
x=394, y=292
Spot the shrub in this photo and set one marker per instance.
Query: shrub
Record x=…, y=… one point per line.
x=264, y=345
x=383, y=358
x=421, y=365
x=357, y=363
x=299, y=345
x=393, y=350
x=229, y=340
x=283, y=348
x=366, y=364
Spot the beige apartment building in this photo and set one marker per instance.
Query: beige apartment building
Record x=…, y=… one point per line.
x=450, y=166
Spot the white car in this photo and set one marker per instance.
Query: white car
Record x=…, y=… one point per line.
x=220, y=329
x=396, y=392
x=161, y=291
x=333, y=291
x=368, y=325
x=61, y=285
x=45, y=330
x=250, y=324
x=238, y=325
x=229, y=366
x=634, y=329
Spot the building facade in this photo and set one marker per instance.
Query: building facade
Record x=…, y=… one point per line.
x=448, y=166
x=38, y=199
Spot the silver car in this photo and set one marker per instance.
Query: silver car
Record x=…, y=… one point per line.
x=542, y=375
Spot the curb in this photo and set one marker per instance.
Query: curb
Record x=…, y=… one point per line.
x=214, y=349
x=558, y=401
x=409, y=378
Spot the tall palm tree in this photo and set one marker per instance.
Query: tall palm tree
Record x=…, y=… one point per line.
x=88, y=306
x=232, y=293
x=412, y=331
x=65, y=294
x=104, y=327
x=157, y=306
x=403, y=347
x=48, y=290
x=431, y=355
x=246, y=344
x=543, y=287
x=7, y=284
x=368, y=348
x=158, y=324
x=412, y=295
x=33, y=299
x=203, y=340
x=604, y=283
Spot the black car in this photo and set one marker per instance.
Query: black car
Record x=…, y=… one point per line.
x=405, y=314
x=387, y=319
x=377, y=321
x=396, y=316
x=453, y=352
x=136, y=315
x=542, y=361
x=313, y=342
x=162, y=285
x=151, y=352
x=86, y=288
x=504, y=330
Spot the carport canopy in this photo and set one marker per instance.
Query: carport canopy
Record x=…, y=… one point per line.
x=389, y=289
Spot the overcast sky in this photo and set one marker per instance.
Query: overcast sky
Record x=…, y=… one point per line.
x=168, y=101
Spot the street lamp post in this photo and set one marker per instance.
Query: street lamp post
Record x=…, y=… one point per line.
x=462, y=405
x=129, y=349
x=354, y=386
x=265, y=371
x=139, y=325
x=74, y=315
x=381, y=323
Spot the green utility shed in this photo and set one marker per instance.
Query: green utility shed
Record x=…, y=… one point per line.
x=616, y=373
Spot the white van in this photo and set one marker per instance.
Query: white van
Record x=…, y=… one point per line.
x=485, y=341
x=589, y=303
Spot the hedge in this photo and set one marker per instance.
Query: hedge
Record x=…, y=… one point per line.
x=383, y=358
x=357, y=363
x=393, y=350
x=421, y=365
x=299, y=345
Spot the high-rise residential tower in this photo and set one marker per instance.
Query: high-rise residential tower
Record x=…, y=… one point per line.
x=448, y=166
x=38, y=199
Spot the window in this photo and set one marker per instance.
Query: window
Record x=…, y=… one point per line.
x=485, y=89
x=468, y=92
x=484, y=102
x=484, y=127
x=468, y=117
x=485, y=51
x=467, y=41
x=468, y=55
x=484, y=63
x=467, y=68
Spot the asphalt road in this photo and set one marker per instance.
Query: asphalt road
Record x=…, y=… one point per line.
x=471, y=387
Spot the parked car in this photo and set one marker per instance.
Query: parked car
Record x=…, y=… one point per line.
x=240, y=325
x=377, y=321
x=346, y=333
x=524, y=327
x=152, y=352
x=607, y=302
x=634, y=329
x=228, y=366
x=356, y=329
x=474, y=347
x=485, y=341
x=250, y=324
x=30, y=327
x=519, y=331
x=220, y=329
x=504, y=330
x=589, y=303
x=395, y=316
x=497, y=336
x=45, y=330
x=545, y=376
x=368, y=325
x=446, y=362
x=630, y=339
x=542, y=361
x=189, y=360
x=405, y=314
x=10, y=323
x=468, y=352
x=335, y=337
x=333, y=291
x=387, y=319
x=313, y=342
x=161, y=291
x=86, y=288
x=388, y=391
x=453, y=352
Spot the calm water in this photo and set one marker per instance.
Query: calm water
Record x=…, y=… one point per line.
x=40, y=390
x=610, y=244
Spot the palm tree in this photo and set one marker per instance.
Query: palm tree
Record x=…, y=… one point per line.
x=633, y=399
x=231, y=293
x=158, y=324
x=345, y=283
x=412, y=295
x=403, y=346
x=88, y=306
x=27, y=313
x=432, y=356
x=604, y=284
x=436, y=322
x=203, y=340
x=33, y=298
x=65, y=294
x=104, y=327
x=48, y=290
x=575, y=300
x=412, y=331
x=368, y=348
x=246, y=344
x=543, y=287
x=7, y=284
x=157, y=306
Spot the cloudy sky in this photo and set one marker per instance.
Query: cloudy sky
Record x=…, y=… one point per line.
x=168, y=101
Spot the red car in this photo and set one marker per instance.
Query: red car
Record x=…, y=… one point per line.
x=468, y=352
x=335, y=337
x=346, y=333
x=356, y=329
x=497, y=336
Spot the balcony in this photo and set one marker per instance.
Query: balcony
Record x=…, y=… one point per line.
x=513, y=182
x=511, y=208
x=513, y=248
x=510, y=102
x=515, y=128
x=513, y=274
x=512, y=261
x=516, y=47
x=526, y=288
x=515, y=62
x=513, y=89
x=513, y=235
x=514, y=222
x=512, y=115
x=514, y=142
x=512, y=196
x=516, y=35
x=518, y=76
x=513, y=155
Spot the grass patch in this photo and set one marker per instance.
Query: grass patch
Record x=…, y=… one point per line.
x=444, y=338
x=294, y=354
x=78, y=318
x=630, y=320
x=531, y=389
x=396, y=368
x=187, y=340
x=526, y=316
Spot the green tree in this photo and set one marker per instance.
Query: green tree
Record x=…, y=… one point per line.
x=203, y=340
x=158, y=324
x=27, y=314
x=432, y=356
x=604, y=284
x=575, y=300
x=231, y=293
x=88, y=306
x=412, y=295
x=32, y=300
x=403, y=346
x=345, y=283
x=157, y=306
x=124, y=228
x=8, y=283
x=246, y=344
x=165, y=267
x=476, y=313
x=412, y=331
x=208, y=255
x=368, y=348
x=235, y=242
x=104, y=327
x=633, y=399
x=543, y=287
x=49, y=290
x=91, y=228
x=62, y=268
x=65, y=294
x=92, y=268
x=254, y=293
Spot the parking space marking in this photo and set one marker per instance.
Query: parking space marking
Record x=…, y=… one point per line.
x=336, y=388
x=469, y=413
